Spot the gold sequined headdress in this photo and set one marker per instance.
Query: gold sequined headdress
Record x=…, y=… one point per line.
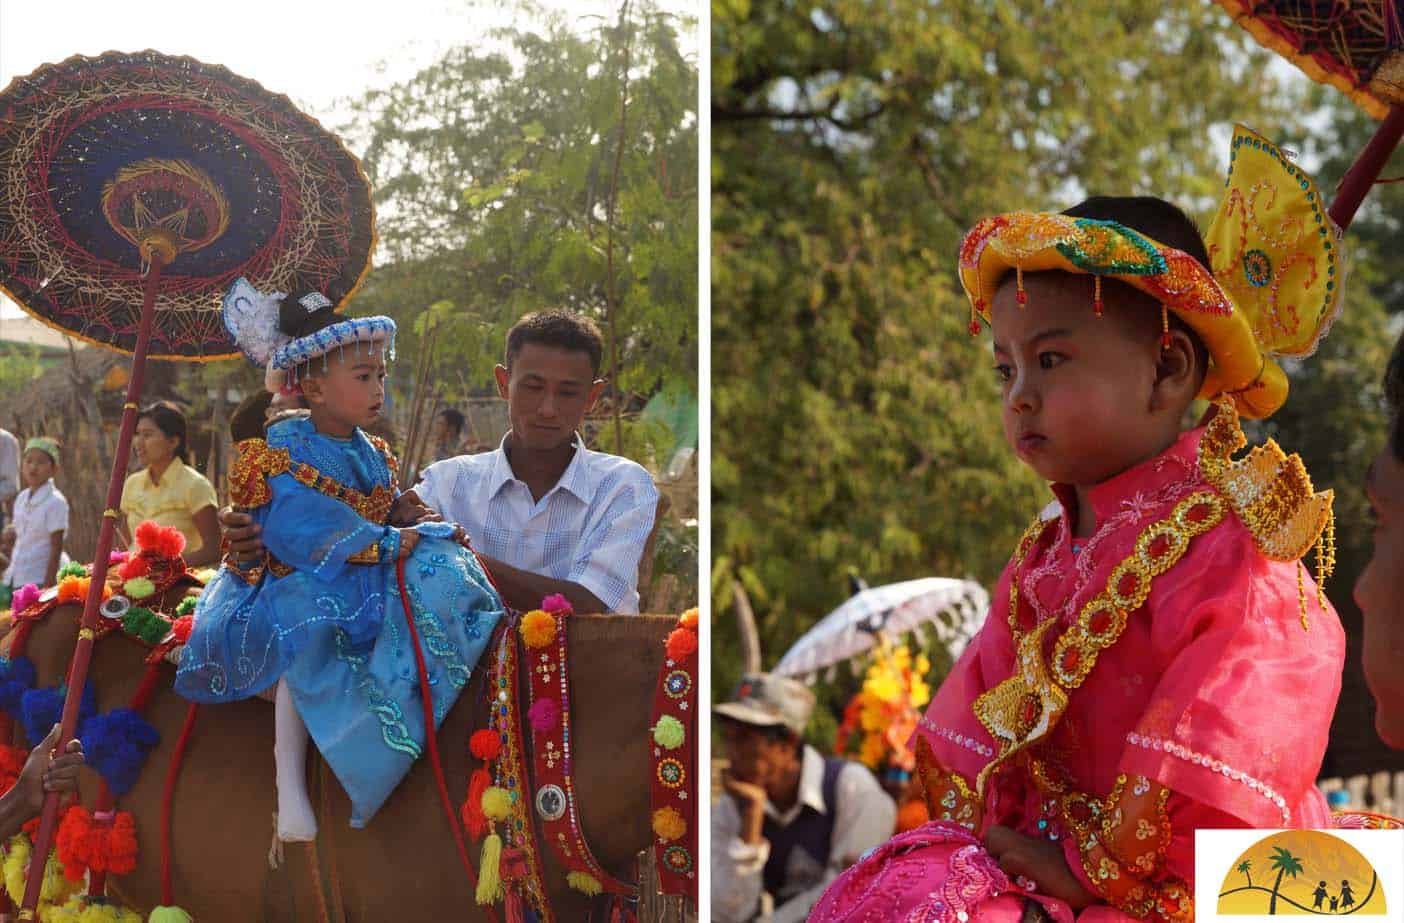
x=1274, y=291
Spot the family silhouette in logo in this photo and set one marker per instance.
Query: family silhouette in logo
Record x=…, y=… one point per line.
x=1343, y=901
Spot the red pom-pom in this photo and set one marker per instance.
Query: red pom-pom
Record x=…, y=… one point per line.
x=103, y=846
x=474, y=820
x=181, y=628
x=485, y=745
x=145, y=535
x=161, y=541
x=681, y=643
x=135, y=566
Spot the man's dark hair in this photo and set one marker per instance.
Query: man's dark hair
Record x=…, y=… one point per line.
x=169, y=420
x=454, y=418
x=1166, y=223
x=560, y=329
x=1394, y=396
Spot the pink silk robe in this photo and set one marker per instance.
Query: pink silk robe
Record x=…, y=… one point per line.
x=1209, y=704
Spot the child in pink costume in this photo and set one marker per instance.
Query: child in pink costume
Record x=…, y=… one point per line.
x=1155, y=659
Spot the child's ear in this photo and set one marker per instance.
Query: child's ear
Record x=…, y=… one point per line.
x=1176, y=378
x=312, y=390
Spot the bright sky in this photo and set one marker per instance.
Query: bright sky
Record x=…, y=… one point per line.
x=319, y=53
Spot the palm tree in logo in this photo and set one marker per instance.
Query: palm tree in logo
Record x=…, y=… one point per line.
x=1286, y=864
x=1243, y=867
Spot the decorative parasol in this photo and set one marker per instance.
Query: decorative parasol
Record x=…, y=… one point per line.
x=952, y=608
x=1356, y=46
x=134, y=189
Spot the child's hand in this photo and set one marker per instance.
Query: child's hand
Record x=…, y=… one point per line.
x=1041, y=860
x=408, y=539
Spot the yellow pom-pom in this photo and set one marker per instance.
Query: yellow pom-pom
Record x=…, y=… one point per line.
x=169, y=915
x=669, y=824
x=688, y=619
x=16, y=861
x=489, y=874
x=669, y=732
x=78, y=909
x=497, y=803
x=138, y=588
x=585, y=883
x=538, y=628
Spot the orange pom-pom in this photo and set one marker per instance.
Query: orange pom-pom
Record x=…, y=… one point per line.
x=911, y=815
x=669, y=824
x=485, y=745
x=688, y=619
x=538, y=628
x=681, y=643
x=73, y=589
x=474, y=820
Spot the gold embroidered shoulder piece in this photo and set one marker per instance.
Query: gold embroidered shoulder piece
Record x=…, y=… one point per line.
x=257, y=462
x=1272, y=495
x=391, y=461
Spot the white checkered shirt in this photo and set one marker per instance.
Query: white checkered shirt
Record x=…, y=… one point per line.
x=589, y=529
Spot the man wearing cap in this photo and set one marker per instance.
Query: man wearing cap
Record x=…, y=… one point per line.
x=792, y=819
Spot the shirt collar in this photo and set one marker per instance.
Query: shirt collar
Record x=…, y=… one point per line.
x=172, y=471
x=43, y=491
x=575, y=479
x=1151, y=475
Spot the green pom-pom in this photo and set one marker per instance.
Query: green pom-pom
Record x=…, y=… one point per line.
x=7, y=594
x=145, y=625
x=139, y=588
x=169, y=915
x=72, y=569
x=669, y=732
x=497, y=803
x=187, y=605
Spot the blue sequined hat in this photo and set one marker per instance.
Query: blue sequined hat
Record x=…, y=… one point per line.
x=251, y=317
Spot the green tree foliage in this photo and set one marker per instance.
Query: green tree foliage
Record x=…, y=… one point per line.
x=494, y=170
x=856, y=422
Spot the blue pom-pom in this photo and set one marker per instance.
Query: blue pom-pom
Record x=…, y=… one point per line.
x=40, y=710
x=16, y=678
x=21, y=670
x=116, y=745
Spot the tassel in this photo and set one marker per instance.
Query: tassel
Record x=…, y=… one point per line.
x=514, y=907
x=489, y=874
x=619, y=911
x=474, y=820
x=585, y=883
x=169, y=915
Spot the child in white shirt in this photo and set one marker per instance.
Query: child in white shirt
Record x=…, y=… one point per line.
x=40, y=517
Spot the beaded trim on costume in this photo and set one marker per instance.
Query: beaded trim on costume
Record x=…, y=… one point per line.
x=1161, y=745
x=257, y=462
x=960, y=740
x=674, y=784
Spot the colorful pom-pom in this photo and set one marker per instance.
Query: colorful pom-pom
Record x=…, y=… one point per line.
x=669, y=732
x=84, y=843
x=146, y=626
x=135, y=566
x=668, y=824
x=474, y=820
x=497, y=803
x=485, y=745
x=182, y=627
x=681, y=643
x=585, y=883
x=538, y=628
x=24, y=597
x=72, y=569
x=169, y=915
x=162, y=541
x=543, y=715
x=115, y=558
x=557, y=604
x=116, y=745
x=688, y=619
x=139, y=588
x=73, y=589
x=187, y=605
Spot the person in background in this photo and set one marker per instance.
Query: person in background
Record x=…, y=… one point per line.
x=790, y=820
x=9, y=473
x=167, y=491
x=41, y=518
x=448, y=434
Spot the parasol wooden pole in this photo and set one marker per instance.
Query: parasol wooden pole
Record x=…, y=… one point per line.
x=1366, y=169
x=82, y=653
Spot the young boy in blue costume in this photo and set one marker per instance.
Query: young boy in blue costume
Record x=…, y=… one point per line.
x=321, y=613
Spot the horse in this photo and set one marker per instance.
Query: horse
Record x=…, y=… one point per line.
x=404, y=865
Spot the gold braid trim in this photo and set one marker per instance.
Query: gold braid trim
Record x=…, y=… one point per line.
x=257, y=462
x=1025, y=708
x=1272, y=495
x=1122, y=840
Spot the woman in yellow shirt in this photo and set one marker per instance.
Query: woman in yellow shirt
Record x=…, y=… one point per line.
x=167, y=490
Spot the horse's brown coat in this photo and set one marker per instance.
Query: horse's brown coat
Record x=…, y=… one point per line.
x=404, y=866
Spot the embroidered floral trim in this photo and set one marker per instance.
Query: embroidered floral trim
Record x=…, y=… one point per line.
x=257, y=462
x=948, y=796
x=392, y=720
x=1161, y=745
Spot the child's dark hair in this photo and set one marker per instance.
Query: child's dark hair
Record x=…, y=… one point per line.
x=170, y=421
x=1394, y=397
x=454, y=418
x=1166, y=223
x=248, y=418
x=561, y=329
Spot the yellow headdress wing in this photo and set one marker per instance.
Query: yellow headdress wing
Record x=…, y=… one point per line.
x=1275, y=287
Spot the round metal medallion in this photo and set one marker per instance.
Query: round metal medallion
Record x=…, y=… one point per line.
x=550, y=802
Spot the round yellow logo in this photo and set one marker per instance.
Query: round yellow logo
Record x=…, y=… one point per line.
x=1301, y=872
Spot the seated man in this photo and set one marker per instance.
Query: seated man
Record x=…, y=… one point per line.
x=793, y=819
x=545, y=514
